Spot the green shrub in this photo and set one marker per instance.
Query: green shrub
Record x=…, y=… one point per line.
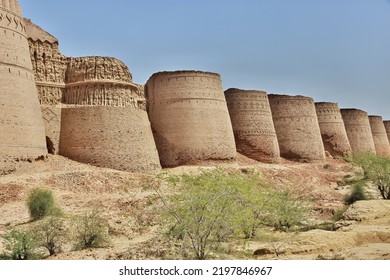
x=338, y=214
x=51, y=233
x=357, y=193
x=90, y=230
x=375, y=169
x=40, y=202
x=20, y=245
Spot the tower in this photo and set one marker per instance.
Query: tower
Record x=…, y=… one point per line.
x=22, y=134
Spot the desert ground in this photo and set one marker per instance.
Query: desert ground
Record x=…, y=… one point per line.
x=136, y=228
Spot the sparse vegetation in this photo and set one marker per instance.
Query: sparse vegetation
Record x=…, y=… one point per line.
x=375, y=169
x=357, y=193
x=20, y=245
x=40, y=202
x=90, y=230
x=214, y=206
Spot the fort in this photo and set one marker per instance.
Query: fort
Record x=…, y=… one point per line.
x=189, y=118
x=379, y=135
x=253, y=127
x=89, y=109
x=297, y=128
x=358, y=130
x=22, y=135
x=332, y=129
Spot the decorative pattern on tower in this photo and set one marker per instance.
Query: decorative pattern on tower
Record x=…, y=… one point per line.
x=253, y=126
x=332, y=129
x=358, y=130
x=379, y=135
x=22, y=134
x=189, y=117
x=297, y=128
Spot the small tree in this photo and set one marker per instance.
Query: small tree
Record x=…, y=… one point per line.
x=375, y=169
x=51, y=233
x=90, y=230
x=40, y=202
x=205, y=208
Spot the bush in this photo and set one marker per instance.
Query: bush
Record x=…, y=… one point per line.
x=376, y=170
x=213, y=206
x=90, y=230
x=20, y=245
x=357, y=193
x=40, y=202
x=51, y=233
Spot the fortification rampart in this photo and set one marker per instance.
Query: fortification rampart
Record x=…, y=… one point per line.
x=379, y=135
x=334, y=135
x=358, y=130
x=118, y=138
x=297, y=128
x=21, y=127
x=189, y=118
x=253, y=127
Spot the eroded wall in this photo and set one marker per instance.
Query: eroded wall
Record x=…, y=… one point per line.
x=189, y=118
x=297, y=128
x=333, y=133
x=387, y=128
x=22, y=133
x=379, y=135
x=358, y=130
x=253, y=127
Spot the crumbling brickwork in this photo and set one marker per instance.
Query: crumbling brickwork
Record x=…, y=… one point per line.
x=358, y=130
x=379, y=135
x=332, y=129
x=253, y=127
x=189, y=117
x=22, y=133
x=297, y=128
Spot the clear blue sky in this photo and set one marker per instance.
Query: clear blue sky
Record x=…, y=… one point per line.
x=331, y=50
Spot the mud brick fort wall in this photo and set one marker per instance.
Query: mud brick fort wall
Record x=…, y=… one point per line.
x=189, y=118
x=297, y=128
x=253, y=127
x=358, y=130
x=333, y=133
x=387, y=127
x=379, y=135
x=118, y=138
x=22, y=133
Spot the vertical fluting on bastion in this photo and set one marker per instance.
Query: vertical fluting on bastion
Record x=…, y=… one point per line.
x=22, y=133
x=190, y=119
x=379, y=135
x=334, y=135
x=253, y=127
x=358, y=130
x=297, y=128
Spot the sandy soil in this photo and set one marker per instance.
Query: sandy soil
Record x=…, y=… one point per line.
x=136, y=230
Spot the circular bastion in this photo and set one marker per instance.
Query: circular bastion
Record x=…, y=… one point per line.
x=358, y=130
x=297, y=128
x=189, y=118
x=22, y=134
x=112, y=137
x=379, y=135
x=253, y=127
x=387, y=127
x=334, y=135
